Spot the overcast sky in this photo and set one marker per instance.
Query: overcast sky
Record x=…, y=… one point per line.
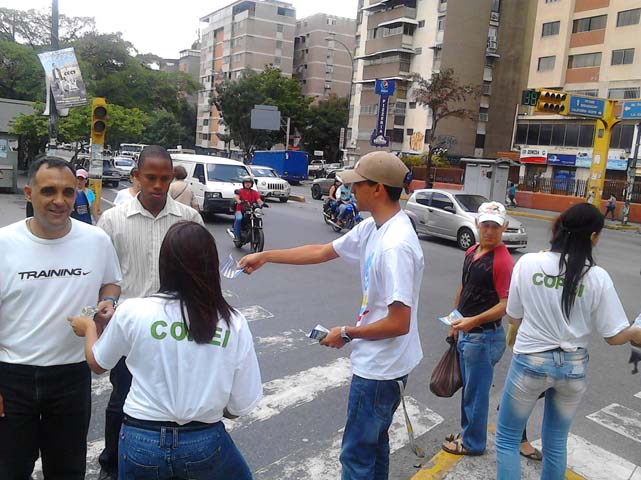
x=163, y=27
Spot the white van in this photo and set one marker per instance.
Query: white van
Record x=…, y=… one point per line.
x=213, y=180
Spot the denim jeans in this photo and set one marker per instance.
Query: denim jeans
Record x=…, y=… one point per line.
x=370, y=409
x=181, y=454
x=238, y=220
x=47, y=410
x=478, y=354
x=120, y=379
x=342, y=209
x=562, y=376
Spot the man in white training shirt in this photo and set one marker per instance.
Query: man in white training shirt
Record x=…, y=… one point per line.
x=52, y=267
x=137, y=230
x=385, y=341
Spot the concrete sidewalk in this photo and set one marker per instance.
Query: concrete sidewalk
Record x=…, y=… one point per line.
x=551, y=216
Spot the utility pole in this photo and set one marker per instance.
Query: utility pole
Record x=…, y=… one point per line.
x=53, y=112
x=632, y=172
x=289, y=120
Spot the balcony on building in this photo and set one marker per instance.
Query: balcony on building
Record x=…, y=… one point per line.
x=491, y=48
x=387, y=64
x=394, y=36
x=389, y=12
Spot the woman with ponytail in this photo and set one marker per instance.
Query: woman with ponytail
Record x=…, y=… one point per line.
x=557, y=299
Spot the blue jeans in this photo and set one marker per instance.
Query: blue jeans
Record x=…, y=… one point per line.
x=370, y=409
x=478, y=353
x=178, y=453
x=562, y=376
x=238, y=219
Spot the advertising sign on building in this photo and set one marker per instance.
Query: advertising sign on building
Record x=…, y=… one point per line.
x=63, y=74
x=561, y=159
x=617, y=159
x=534, y=155
x=378, y=138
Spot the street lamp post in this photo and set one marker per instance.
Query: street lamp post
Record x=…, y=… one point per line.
x=349, y=94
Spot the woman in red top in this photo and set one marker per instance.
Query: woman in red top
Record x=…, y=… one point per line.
x=245, y=196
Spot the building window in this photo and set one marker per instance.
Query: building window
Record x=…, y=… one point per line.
x=628, y=17
x=279, y=27
x=205, y=122
x=584, y=60
x=279, y=44
x=487, y=88
x=551, y=28
x=397, y=135
x=412, y=105
x=589, y=24
x=546, y=63
x=440, y=26
x=623, y=93
x=496, y=6
x=551, y=1
x=483, y=114
x=480, y=140
x=277, y=60
x=418, y=50
x=421, y=23
x=328, y=86
x=593, y=92
x=331, y=21
x=286, y=12
x=410, y=132
x=623, y=57
x=329, y=69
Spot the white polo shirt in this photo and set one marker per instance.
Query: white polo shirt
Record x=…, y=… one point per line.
x=43, y=282
x=174, y=378
x=137, y=236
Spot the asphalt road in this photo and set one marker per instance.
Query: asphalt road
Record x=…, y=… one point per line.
x=295, y=433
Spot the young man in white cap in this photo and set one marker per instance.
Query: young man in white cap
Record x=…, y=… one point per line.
x=384, y=336
x=481, y=299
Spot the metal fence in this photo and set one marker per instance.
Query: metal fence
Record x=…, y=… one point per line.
x=577, y=188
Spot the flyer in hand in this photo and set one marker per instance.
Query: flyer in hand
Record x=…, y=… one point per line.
x=454, y=315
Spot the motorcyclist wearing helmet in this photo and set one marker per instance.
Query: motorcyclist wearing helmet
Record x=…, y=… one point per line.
x=245, y=196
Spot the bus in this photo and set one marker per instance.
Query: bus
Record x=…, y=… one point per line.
x=131, y=150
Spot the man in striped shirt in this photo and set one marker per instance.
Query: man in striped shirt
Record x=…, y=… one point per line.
x=137, y=230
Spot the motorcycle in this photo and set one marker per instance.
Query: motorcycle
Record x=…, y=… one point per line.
x=251, y=228
x=351, y=219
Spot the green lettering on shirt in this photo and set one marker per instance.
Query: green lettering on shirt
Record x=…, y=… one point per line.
x=216, y=336
x=178, y=332
x=550, y=281
x=178, y=326
x=154, y=330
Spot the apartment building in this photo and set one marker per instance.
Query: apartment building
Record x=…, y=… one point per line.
x=189, y=62
x=323, y=49
x=487, y=46
x=246, y=33
x=588, y=47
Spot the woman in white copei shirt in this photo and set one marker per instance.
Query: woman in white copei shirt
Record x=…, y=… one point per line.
x=193, y=362
x=557, y=298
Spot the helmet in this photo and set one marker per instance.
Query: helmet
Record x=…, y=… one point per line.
x=247, y=178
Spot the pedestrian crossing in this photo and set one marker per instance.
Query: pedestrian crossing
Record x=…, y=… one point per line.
x=318, y=458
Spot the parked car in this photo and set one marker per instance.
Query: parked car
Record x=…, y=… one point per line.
x=269, y=183
x=124, y=165
x=320, y=168
x=320, y=186
x=451, y=214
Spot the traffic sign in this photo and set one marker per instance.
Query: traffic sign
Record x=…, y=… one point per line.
x=631, y=109
x=586, y=106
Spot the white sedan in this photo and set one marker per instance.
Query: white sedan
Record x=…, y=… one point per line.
x=124, y=165
x=269, y=184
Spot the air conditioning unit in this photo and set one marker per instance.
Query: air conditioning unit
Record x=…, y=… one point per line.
x=494, y=17
x=484, y=117
x=492, y=44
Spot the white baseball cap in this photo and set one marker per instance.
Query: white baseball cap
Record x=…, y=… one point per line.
x=492, y=212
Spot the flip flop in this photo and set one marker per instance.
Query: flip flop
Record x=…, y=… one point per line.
x=452, y=437
x=536, y=455
x=459, y=449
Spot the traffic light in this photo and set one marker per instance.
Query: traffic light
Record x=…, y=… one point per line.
x=529, y=98
x=98, y=121
x=552, y=101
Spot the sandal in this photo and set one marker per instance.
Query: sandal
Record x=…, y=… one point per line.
x=536, y=455
x=452, y=437
x=458, y=449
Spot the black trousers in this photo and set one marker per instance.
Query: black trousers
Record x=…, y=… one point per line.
x=47, y=410
x=120, y=379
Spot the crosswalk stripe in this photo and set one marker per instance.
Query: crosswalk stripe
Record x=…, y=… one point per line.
x=619, y=419
x=593, y=462
x=255, y=312
x=638, y=395
x=287, y=340
x=325, y=465
x=295, y=390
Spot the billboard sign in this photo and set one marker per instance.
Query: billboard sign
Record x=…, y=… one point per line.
x=534, y=155
x=63, y=74
x=561, y=159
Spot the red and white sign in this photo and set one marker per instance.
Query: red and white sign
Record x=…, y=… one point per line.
x=534, y=155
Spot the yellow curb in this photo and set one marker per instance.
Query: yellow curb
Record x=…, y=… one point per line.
x=297, y=198
x=538, y=216
x=438, y=466
x=621, y=227
x=570, y=475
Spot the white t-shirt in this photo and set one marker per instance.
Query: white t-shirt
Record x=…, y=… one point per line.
x=43, y=282
x=174, y=378
x=391, y=263
x=123, y=196
x=535, y=296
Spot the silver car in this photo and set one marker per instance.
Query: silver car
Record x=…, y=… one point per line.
x=269, y=184
x=451, y=214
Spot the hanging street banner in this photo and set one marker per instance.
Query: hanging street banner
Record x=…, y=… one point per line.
x=384, y=88
x=63, y=74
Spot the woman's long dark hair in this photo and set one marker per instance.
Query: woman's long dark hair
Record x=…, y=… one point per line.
x=572, y=238
x=189, y=272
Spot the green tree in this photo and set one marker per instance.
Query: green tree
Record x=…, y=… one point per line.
x=444, y=96
x=21, y=75
x=325, y=121
x=236, y=98
x=33, y=27
x=34, y=130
